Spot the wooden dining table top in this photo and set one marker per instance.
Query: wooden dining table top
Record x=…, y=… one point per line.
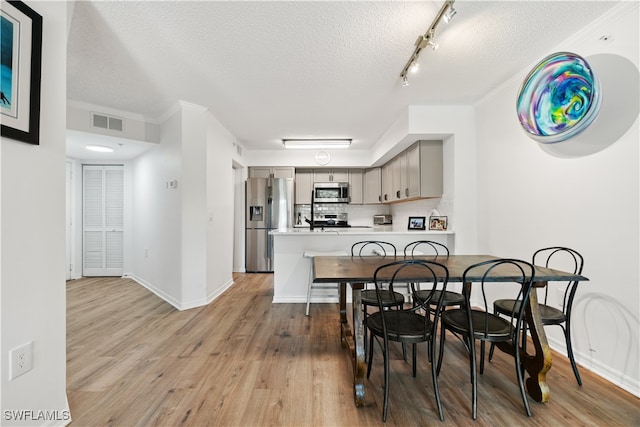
x=356, y=269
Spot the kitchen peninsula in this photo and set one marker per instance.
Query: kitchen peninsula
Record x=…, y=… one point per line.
x=291, y=269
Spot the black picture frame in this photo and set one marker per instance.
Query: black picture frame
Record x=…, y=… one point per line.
x=22, y=70
x=438, y=223
x=416, y=223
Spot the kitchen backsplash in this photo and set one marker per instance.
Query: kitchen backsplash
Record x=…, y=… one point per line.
x=362, y=215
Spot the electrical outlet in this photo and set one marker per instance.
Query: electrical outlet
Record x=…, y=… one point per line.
x=20, y=359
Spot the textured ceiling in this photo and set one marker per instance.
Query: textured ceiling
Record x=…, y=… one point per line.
x=270, y=70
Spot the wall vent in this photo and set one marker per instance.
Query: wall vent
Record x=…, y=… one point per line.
x=107, y=122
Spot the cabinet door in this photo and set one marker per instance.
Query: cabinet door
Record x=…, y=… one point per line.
x=322, y=175
x=304, y=186
x=372, y=186
x=355, y=186
x=259, y=172
x=283, y=172
x=387, y=182
x=413, y=170
x=340, y=175
x=431, y=169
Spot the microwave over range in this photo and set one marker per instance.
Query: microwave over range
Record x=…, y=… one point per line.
x=331, y=192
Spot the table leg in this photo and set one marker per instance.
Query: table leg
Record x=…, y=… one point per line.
x=538, y=364
x=354, y=342
x=359, y=363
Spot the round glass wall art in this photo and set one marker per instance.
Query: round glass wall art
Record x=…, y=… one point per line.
x=559, y=98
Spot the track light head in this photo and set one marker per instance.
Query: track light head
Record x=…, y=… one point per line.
x=449, y=15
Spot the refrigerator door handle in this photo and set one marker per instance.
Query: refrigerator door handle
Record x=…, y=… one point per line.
x=270, y=212
x=269, y=247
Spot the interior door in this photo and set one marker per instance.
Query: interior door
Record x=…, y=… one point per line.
x=103, y=220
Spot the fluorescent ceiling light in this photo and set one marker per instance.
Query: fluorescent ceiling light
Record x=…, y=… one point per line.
x=316, y=143
x=99, y=148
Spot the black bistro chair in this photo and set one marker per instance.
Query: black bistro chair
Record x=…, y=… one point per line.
x=429, y=247
x=407, y=326
x=566, y=259
x=390, y=298
x=479, y=324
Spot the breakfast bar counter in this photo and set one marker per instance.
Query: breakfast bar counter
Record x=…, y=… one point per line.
x=292, y=271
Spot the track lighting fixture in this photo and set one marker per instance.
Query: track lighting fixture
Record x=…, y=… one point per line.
x=446, y=12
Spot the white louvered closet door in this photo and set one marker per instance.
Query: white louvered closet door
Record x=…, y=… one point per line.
x=103, y=220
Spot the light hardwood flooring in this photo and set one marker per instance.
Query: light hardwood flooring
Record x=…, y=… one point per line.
x=134, y=360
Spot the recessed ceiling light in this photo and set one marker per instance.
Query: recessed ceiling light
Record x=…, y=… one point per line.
x=99, y=148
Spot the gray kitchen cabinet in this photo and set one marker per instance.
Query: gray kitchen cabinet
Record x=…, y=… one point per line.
x=416, y=173
x=331, y=175
x=356, y=196
x=304, y=186
x=372, y=186
x=424, y=170
x=271, y=172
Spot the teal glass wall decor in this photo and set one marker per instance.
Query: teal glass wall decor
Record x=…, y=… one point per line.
x=559, y=98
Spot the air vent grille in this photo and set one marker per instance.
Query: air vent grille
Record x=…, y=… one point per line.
x=107, y=122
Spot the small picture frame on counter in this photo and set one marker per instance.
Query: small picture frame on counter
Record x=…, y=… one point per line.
x=438, y=223
x=416, y=223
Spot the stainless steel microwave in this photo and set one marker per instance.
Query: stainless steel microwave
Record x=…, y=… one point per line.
x=331, y=192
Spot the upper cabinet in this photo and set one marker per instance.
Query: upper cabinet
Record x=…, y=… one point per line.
x=356, y=196
x=372, y=186
x=331, y=175
x=271, y=172
x=416, y=173
x=304, y=186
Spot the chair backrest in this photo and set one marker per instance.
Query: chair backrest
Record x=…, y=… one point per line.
x=425, y=247
x=565, y=259
x=412, y=271
x=373, y=247
x=521, y=272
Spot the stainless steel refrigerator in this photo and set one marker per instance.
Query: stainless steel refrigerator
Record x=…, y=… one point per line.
x=269, y=206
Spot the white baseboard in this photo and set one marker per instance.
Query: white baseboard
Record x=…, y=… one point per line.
x=178, y=304
x=618, y=378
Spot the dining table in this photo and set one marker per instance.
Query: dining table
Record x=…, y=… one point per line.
x=356, y=271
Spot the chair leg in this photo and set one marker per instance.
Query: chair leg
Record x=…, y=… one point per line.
x=441, y=350
x=434, y=377
x=370, y=355
x=309, y=290
x=482, y=344
x=474, y=377
x=385, y=405
x=491, y=349
x=567, y=336
x=525, y=401
x=414, y=351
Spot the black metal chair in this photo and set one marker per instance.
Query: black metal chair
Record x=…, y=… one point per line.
x=569, y=260
x=407, y=326
x=428, y=247
x=369, y=298
x=480, y=324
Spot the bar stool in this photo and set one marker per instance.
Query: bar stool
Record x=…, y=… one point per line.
x=332, y=286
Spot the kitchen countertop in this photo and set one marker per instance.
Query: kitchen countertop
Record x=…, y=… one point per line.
x=387, y=230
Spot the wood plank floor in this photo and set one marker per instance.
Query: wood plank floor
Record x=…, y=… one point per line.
x=134, y=360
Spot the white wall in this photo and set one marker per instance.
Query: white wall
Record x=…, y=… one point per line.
x=193, y=188
x=528, y=199
x=157, y=215
x=221, y=188
x=32, y=295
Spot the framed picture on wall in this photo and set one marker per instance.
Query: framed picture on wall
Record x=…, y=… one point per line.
x=438, y=223
x=416, y=223
x=21, y=63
